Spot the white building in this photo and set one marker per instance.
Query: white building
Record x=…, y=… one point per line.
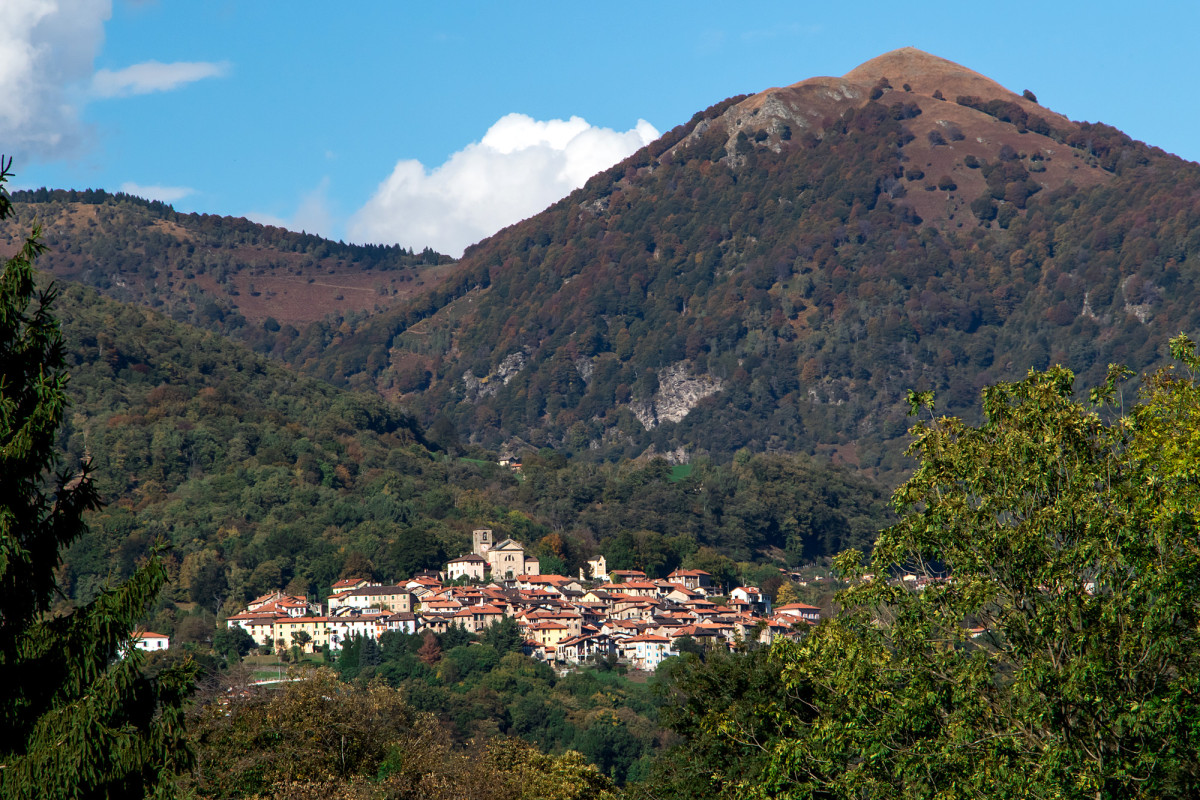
x=647, y=651
x=151, y=642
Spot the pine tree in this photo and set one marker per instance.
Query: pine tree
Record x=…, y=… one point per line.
x=77, y=716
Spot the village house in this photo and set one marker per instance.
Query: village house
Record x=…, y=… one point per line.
x=317, y=629
x=349, y=584
x=800, y=611
x=752, y=596
x=387, y=598
x=573, y=620
x=695, y=579
x=279, y=603
x=440, y=606
x=474, y=619
x=681, y=594
x=773, y=629
x=549, y=583
x=619, y=575
x=261, y=628
x=401, y=622
x=646, y=651
x=639, y=588
x=471, y=566
x=549, y=634
x=705, y=637
x=580, y=649
x=343, y=629
x=700, y=607
x=151, y=642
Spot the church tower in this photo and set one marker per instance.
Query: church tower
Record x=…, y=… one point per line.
x=481, y=541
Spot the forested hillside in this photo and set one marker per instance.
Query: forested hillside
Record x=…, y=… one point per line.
x=257, y=283
x=264, y=479
x=777, y=272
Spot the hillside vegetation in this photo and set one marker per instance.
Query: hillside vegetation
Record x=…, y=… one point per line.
x=777, y=272
x=258, y=283
x=264, y=479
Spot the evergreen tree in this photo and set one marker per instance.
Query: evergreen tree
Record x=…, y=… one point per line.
x=504, y=635
x=77, y=716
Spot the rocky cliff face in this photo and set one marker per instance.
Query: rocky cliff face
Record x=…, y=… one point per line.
x=679, y=391
x=488, y=385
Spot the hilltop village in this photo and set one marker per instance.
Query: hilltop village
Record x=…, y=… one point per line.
x=563, y=620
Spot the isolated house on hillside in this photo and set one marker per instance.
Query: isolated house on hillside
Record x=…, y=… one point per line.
x=151, y=642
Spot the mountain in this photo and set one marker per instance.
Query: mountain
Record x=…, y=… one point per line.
x=258, y=283
x=777, y=272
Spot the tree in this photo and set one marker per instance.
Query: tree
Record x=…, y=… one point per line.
x=301, y=639
x=357, y=566
x=430, y=652
x=730, y=709
x=504, y=636
x=233, y=642
x=1057, y=650
x=77, y=715
x=787, y=594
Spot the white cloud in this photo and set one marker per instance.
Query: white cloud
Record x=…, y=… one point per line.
x=519, y=167
x=154, y=76
x=165, y=194
x=46, y=51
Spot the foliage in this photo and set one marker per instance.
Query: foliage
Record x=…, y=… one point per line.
x=793, y=274
x=479, y=689
x=78, y=717
x=263, y=479
x=190, y=266
x=319, y=738
x=233, y=642
x=730, y=709
x=1067, y=534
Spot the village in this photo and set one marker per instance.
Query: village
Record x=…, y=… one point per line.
x=563, y=620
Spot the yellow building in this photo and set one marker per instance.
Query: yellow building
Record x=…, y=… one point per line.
x=317, y=629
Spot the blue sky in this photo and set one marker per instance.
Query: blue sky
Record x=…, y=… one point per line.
x=426, y=124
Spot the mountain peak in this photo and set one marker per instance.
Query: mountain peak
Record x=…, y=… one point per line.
x=921, y=78
x=926, y=73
